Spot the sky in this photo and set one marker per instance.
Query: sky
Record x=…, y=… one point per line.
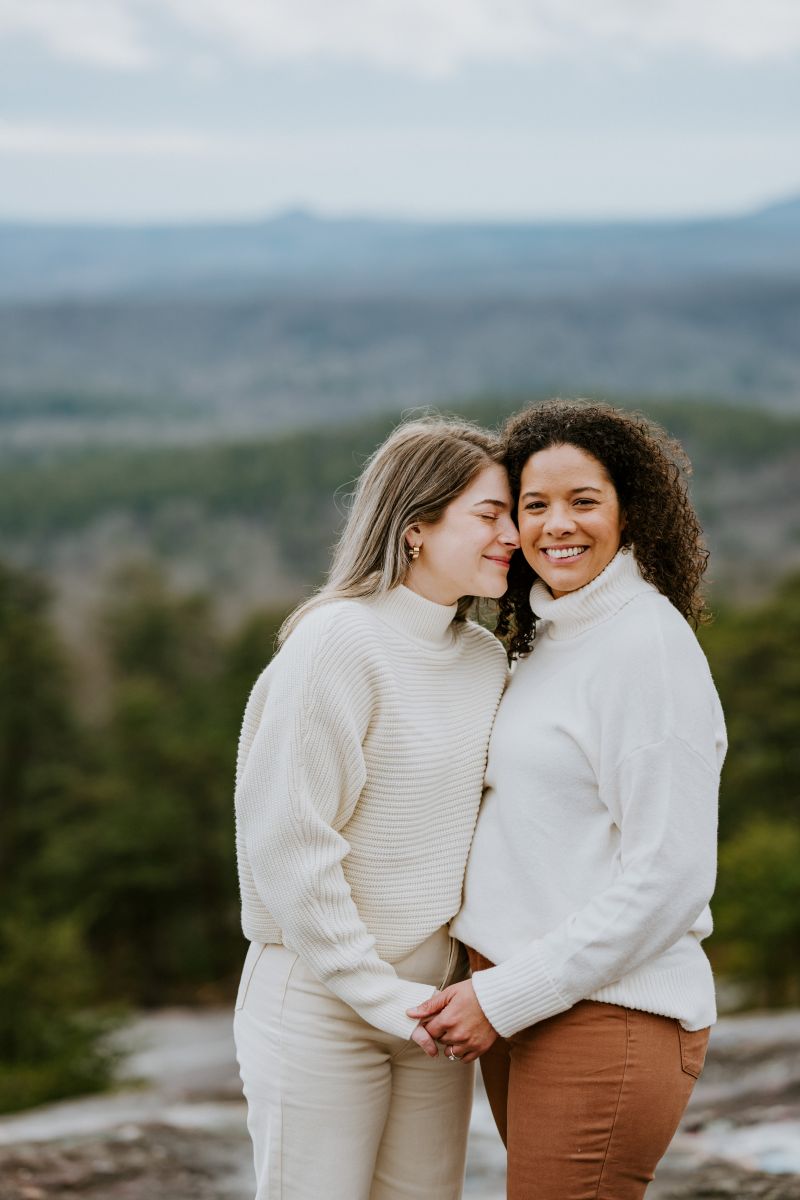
x=190, y=110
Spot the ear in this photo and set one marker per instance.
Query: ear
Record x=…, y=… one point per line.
x=412, y=534
x=624, y=539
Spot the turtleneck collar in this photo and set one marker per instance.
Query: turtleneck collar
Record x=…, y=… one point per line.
x=594, y=603
x=417, y=618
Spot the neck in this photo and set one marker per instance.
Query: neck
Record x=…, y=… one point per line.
x=570, y=613
x=424, y=584
x=416, y=616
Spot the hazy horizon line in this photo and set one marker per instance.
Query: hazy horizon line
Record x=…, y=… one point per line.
x=332, y=216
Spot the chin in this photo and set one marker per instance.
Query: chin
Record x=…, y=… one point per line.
x=565, y=583
x=487, y=586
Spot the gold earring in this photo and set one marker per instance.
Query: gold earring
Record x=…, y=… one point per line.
x=413, y=553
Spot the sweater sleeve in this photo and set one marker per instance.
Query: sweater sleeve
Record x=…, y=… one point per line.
x=663, y=798
x=660, y=745
x=298, y=784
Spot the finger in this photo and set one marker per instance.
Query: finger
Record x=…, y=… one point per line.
x=438, y=1028
x=434, y=1005
x=428, y=1048
x=470, y=1050
x=425, y=1041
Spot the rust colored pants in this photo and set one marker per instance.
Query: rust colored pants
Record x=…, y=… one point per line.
x=588, y=1101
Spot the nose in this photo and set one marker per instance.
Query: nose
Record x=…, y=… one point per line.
x=509, y=534
x=560, y=521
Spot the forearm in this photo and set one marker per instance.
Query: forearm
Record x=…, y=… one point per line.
x=299, y=876
x=665, y=880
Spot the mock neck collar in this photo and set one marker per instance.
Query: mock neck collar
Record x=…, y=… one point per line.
x=415, y=616
x=620, y=582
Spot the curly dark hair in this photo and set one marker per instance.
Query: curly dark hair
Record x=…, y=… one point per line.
x=649, y=471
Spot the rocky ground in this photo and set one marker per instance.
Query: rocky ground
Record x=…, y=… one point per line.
x=175, y=1129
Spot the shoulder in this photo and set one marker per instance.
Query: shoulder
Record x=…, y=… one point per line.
x=330, y=639
x=483, y=644
x=321, y=676
x=330, y=620
x=644, y=624
x=323, y=667
x=660, y=683
x=650, y=653
x=652, y=628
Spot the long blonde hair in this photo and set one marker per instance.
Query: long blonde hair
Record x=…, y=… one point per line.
x=412, y=477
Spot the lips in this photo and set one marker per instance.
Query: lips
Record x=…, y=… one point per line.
x=502, y=562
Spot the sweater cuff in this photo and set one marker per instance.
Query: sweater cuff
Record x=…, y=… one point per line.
x=390, y=1015
x=518, y=993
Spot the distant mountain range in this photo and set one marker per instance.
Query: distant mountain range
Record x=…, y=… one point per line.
x=301, y=250
x=157, y=335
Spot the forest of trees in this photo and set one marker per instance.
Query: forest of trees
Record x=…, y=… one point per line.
x=117, y=880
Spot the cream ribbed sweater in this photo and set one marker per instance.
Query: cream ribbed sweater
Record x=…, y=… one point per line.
x=359, y=776
x=595, y=852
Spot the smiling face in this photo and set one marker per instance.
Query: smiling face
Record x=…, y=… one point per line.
x=569, y=516
x=468, y=551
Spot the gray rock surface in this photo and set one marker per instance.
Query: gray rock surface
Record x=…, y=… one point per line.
x=175, y=1129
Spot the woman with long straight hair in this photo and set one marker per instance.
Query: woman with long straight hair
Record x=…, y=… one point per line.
x=359, y=776
x=587, y=889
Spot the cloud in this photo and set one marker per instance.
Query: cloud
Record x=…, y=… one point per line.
x=427, y=37
x=433, y=36
x=103, y=33
x=31, y=138
x=732, y=29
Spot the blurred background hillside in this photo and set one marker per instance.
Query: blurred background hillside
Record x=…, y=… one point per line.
x=153, y=542
x=201, y=340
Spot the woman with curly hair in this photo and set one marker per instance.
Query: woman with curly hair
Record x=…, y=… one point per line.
x=594, y=857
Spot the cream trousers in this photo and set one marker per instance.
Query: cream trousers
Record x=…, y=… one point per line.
x=338, y=1110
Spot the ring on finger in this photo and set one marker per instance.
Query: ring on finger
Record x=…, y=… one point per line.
x=451, y=1054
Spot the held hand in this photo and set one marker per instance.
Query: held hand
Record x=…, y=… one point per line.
x=425, y=1041
x=455, y=1018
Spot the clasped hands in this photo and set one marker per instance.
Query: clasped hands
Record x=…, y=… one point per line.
x=455, y=1018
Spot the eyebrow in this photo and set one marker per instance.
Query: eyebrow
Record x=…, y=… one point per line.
x=496, y=503
x=587, y=488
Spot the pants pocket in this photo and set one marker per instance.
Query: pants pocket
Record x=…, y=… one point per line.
x=250, y=964
x=694, y=1044
x=457, y=964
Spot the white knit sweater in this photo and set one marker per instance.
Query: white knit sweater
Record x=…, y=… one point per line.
x=594, y=856
x=359, y=776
